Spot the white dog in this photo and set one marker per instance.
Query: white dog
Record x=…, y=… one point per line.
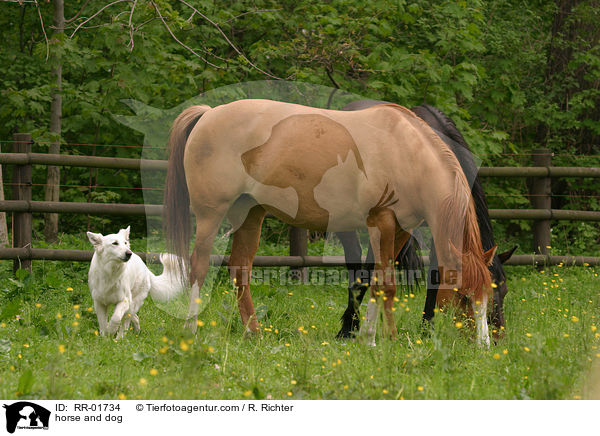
x=118, y=276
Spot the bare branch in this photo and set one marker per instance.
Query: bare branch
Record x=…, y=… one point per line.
x=78, y=13
x=256, y=11
x=139, y=26
x=130, y=26
x=178, y=41
x=329, y=71
x=95, y=26
x=43, y=30
x=96, y=14
x=231, y=44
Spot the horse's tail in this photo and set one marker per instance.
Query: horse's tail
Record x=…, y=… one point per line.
x=176, y=212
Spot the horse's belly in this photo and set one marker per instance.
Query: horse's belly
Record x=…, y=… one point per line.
x=316, y=222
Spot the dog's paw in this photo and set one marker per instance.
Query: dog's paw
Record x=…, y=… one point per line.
x=112, y=327
x=191, y=324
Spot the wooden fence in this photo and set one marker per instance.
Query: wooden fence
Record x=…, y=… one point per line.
x=22, y=206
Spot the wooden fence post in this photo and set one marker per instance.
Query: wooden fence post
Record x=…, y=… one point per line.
x=541, y=191
x=22, y=221
x=3, y=227
x=299, y=247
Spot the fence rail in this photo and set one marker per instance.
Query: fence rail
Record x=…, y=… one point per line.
x=23, y=207
x=138, y=164
x=21, y=254
x=156, y=210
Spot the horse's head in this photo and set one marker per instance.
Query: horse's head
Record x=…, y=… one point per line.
x=471, y=275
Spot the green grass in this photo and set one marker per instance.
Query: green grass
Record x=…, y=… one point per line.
x=49, y=349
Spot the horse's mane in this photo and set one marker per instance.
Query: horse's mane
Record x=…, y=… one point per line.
x=439, y=121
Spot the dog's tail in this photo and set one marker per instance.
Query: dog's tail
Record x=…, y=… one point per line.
x=170, y=283
x=176, y=212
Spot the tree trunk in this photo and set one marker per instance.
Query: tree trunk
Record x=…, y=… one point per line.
x=3, y=228
x=53, y=179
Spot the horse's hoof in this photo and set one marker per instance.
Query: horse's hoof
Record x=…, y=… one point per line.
x=252, y=334
x=426, y=328
x=498, y=335
x=345, y=334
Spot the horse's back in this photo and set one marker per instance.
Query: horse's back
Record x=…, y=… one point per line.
x=320, y=166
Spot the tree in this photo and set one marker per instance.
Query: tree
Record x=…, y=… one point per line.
x=53, y=180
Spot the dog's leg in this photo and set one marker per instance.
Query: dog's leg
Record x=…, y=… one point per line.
x=102, y=317
x=136, y=323
x=120, y=310
x=124, y=326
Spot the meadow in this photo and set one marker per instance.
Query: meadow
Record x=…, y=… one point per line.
x=50, y=348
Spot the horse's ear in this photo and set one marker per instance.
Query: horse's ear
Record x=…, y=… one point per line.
x=457, y=256
x=488, y=256
x=453, y=249
x=507, y=254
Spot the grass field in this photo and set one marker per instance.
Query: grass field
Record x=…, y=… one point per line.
x=49, y=348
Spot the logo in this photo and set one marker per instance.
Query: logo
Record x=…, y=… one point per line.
x=26, y=415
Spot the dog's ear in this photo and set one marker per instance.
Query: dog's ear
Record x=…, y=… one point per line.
x=125, y=232
x=95, y=238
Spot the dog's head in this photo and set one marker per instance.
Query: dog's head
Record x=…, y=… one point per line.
x=112, y=247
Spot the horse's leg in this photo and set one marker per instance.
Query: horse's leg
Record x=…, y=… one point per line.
x=382, y=231
x=498, y=311
x=432, y=287
x=368, y=269
x=207, y=226
x=400, y=238
x=243, y=249
x=356, y=282
x=479, y=302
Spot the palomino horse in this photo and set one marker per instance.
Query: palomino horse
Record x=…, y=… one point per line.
x=408, y=259
x=325, y=170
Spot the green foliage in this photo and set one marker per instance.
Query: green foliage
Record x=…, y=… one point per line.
x=513, y=75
